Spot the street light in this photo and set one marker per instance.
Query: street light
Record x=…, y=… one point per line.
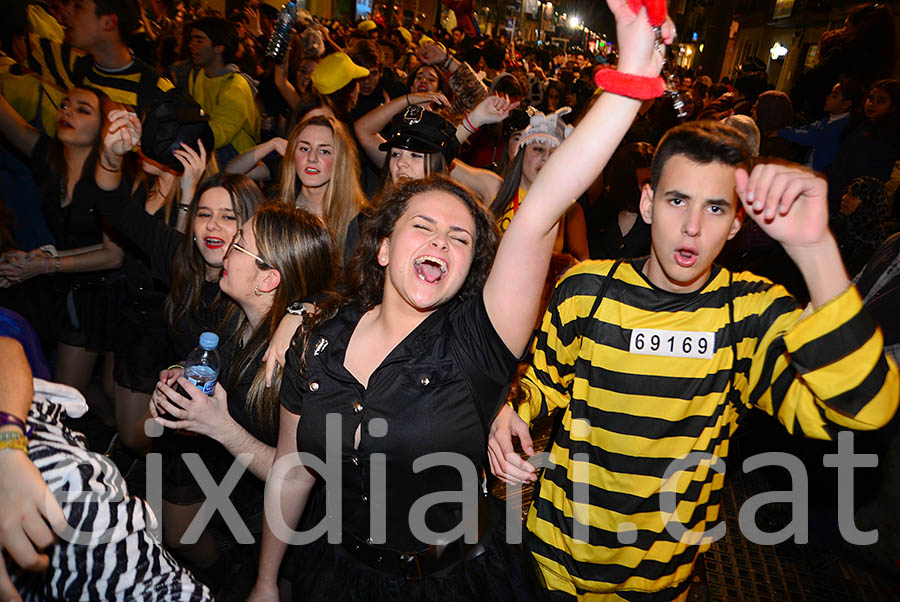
x=573, y=22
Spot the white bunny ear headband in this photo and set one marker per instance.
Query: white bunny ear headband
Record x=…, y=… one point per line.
x=547, y=129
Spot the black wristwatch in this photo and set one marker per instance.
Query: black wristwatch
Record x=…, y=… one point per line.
x=298, y=309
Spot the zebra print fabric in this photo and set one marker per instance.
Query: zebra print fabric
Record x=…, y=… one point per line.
x=111, y=551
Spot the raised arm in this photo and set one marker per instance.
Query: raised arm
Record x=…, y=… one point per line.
x=369, y=126
x=493, y=109
x=23, y=136
x=513, y=288
x=287, y=89
x=483, y=182
x=251, y=158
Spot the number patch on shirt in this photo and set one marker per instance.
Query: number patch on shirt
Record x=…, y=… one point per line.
x=672, y=343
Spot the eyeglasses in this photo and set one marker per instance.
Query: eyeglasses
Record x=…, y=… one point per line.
x=236, y=246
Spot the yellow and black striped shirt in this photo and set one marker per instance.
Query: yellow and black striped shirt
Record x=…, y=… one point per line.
x=59, y=67
x=629, y=414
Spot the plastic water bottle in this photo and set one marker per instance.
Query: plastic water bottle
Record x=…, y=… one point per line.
x=202, y=366
x=281, y=33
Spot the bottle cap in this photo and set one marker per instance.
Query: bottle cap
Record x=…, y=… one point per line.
x=209, y=340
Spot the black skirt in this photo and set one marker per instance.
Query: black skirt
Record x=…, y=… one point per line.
x=502, y=573
x=142, y=344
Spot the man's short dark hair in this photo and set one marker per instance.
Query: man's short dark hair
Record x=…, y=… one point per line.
x=221, y=33
x=851, y=90
x=127, y=12
x=702, y=142
x=268, y=11
x=366, y=53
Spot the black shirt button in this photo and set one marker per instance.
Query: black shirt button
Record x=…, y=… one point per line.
x=424, y=381
x=357, y=407
x=354, y=460
x=314, y=386
x=365, y=498
x=369, y=541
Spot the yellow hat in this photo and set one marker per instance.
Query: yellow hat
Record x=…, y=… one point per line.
x=367, y=25
x=406, y=35
x=336, y=71
x=426, y=40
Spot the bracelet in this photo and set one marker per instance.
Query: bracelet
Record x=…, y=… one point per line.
x=631, y=86
x=105, y=168
x=448, y=62
x=175, y=366
x=7, y=419
x=466, y=120
x=10, y=440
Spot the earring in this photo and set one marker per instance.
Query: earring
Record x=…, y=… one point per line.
x=257, y=292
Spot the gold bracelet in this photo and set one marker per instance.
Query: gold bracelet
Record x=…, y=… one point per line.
x=13, y=440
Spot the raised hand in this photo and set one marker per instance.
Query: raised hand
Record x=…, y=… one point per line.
x=431, y=54
x=253, y=25
x=492, y=109
x=194, y=167
x=638, y=53
x=789, y=202
x=279, y=144
x=123, y=132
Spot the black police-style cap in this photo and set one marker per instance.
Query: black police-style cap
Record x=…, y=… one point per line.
x=517, y=120
x=171, y=120
x=422, y=131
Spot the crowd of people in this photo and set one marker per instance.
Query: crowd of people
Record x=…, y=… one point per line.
x=411, y=243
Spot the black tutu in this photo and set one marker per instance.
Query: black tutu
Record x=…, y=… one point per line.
x=503, y=573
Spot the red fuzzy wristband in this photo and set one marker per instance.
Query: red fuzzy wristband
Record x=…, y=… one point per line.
x=632, y=86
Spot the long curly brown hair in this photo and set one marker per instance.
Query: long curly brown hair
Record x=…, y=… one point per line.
x=364, y=283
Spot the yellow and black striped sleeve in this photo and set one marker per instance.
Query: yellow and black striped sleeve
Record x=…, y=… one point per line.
x=556, y=347
x=820, y=373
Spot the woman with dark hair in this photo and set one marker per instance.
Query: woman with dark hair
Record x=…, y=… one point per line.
x=428, y=78
x=870, y=144
x=537, y=143
x=859, y=226
x=84, y=258
x=422, y=142
x=278, y=256
x=624, y=233
x=773, y=111
x=414, y=361
x=554, y=96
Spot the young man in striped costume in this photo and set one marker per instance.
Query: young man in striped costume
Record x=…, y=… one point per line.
x=95, y=54
x=657, y=359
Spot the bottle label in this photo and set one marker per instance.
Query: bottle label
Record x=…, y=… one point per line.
x=206, y=386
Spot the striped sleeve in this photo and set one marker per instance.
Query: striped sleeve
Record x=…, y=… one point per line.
x=52, y=61
x=556, y=346
x=824, y=372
